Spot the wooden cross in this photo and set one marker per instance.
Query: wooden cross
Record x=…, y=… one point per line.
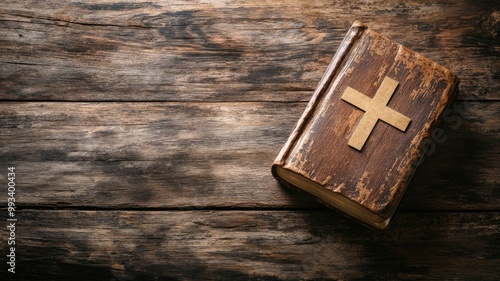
x=375, y=108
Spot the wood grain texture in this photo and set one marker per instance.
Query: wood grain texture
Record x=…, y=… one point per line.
x=254, y=245
x=166, y=115
x=175, y=155
x=184, y=50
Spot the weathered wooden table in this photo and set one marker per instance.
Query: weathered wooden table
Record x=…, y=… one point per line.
x=142, y=135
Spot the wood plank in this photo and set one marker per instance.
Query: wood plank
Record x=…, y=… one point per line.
x=212, y=155
x=253, y=245
x=224, y=51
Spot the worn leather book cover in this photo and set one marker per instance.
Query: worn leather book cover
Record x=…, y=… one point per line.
x=361, y=137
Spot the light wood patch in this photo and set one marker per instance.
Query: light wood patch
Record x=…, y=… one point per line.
x=375, y=109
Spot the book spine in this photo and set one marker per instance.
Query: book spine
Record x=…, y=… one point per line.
x=349, y=40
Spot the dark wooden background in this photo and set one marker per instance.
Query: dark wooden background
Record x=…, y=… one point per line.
x=142, y=134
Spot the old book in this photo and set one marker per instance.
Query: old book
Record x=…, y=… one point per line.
x=366, y=126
